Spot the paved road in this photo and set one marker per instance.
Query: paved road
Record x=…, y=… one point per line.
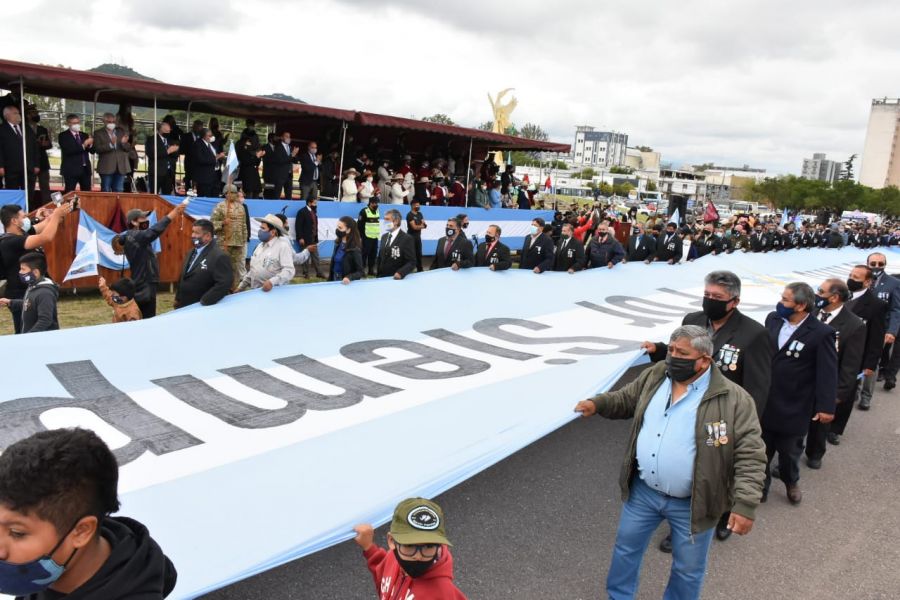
x=541, y=525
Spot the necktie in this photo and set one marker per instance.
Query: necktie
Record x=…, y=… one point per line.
x=18, y=131
x=825, y=316
x=194, y=255
x=112, y=138
x=448, y=244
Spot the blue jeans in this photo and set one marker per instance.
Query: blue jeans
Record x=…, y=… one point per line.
x=641, y=515
x=112, y=183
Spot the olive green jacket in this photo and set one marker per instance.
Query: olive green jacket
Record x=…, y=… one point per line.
x=726, y=477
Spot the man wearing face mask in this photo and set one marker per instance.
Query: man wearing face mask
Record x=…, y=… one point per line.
x=741, y=350
x=397, y=255
x=493, y=253
x=804, y=383
x=272, y=262
x=138, y=247
x=851, y=335
x=669, y=245
x=866, y=305
x=112, y=145
x=15, y=172
x=708, y=242
x=75, y=148
x=694, y=453
x=368, y=223
x=206, y=276
x=604, y=249
x=537, y=250
x=887, y=288
x=204, y=159
x=189, y=140
x=640, y=245
x=453, y=250
x=282, y=165
x=569, y=252
x=38, y=306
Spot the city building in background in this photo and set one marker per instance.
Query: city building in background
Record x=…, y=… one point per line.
x=880, y=165
x=599, y=148
x=820, y=168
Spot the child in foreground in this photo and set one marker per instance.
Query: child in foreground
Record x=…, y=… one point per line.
x=57, y=538
x=120, y=296
x=418, y=564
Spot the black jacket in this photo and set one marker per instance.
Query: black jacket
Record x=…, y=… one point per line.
x=136, y=568
x=851, y=346
x=141, y=258
x=39, y=307
x=499, y=256
x=460, y=252
x=741, y=342
x=158, y=152
x=873, y=312
x=399, y=257
x=569, y=255
x=187, y=147
x=208, y=280
x=804, y=382
x=352, y=265
x=537, y=252
x=708, y=244
x=602, y=252
x=669, y=247
x=74, y=156
x=308, y=169
x=11, y=148
x=281, y=163
x=307, y=229
x=204, y=162
x=640, y=247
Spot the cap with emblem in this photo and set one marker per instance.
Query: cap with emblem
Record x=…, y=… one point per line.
x=418, y=521
x=136, y=213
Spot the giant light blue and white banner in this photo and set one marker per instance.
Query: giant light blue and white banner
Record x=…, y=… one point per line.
x=513, y=223
x=210, y=421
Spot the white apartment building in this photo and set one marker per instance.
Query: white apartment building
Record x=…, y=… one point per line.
x=820, y=168
x=880, y=165
x=601, y=149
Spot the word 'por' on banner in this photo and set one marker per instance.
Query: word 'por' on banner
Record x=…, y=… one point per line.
x=296, y=400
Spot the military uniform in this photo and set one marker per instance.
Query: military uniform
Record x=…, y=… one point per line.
x=232, y=224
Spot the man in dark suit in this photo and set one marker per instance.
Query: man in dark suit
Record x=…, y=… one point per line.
x=188, y=141
x=203, y=164
x=454, y=250
x=873, y=311
x=741, y=351
x=249, y=155
x=397, y=251
x=641, y=246
x=887, y=288
x=12, y=166
x=159, y=152
x=310, y=171
x=307, y=226
x=708, y=242
x=282, y=164
x=206, y=276
x=604, y=249
x=537, y=250
x=569, y=252
x=804, y=383
x=75, y=148
x=851, y=345
x=493, y=253
x=669, y=246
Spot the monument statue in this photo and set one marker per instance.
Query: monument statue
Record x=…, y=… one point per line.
x=502, y=111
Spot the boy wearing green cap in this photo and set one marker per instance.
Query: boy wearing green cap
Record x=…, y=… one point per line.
x=419, y=565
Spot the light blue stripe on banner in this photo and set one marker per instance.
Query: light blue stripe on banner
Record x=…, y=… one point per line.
x=12, y=197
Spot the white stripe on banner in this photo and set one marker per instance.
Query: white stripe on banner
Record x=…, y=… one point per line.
x=301, y=425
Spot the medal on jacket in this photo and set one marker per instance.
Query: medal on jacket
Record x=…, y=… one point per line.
x=723, y=434
x=715, y=427
x=732, y=362
x=709, y=431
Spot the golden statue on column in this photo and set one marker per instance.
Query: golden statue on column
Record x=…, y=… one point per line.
x=501, y=117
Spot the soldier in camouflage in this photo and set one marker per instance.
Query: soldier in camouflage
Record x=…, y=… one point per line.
x=232, y=223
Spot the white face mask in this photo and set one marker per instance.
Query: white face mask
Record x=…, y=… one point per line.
x=369, y=179
x=76, y=127
x=110, y=126
x=212, y=139
x=26, y=225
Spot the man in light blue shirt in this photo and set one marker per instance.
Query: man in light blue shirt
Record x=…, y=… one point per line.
x=494, y=195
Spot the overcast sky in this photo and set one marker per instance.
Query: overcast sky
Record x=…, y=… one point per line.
x=764, y=83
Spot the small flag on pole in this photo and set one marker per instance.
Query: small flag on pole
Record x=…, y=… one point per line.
x=784, y=217
x=85, y=263
x=675, y=218
x=231, y=163
x=548, y=184
x=711, y=215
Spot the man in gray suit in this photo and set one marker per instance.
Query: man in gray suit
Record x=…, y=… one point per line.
x=112, y=145
x=887, y=288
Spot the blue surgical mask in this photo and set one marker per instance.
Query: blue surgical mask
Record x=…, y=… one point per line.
x=26, y=224
x=821, y=301
x=783, y=311
x=264, y=236
x=534, y=229
x=22, y=579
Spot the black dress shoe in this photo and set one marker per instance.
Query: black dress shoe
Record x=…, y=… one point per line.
x=890, y=384
x=814, y=463
x=865, y=404
x=833, y=438
x=666, y=544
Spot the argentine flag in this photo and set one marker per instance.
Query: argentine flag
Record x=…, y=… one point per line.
x=85, y=263
x=89, y=229
x=231, y=163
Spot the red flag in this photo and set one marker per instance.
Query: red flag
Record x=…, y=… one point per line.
x=117, y=220
x=525, y=179
x=547, y=183
x=711, y=213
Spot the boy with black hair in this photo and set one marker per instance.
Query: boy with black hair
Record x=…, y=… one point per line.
x=419, y=564
x=120, y=296
x=57, y=539
x=38, y=306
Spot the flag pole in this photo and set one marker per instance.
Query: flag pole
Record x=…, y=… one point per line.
x=22, y=125
x=155, y=151
x=340, y=173
x=468, y=170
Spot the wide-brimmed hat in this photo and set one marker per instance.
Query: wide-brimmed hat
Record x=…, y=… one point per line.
x=424, y=180
x=272, y=221
x=351, y=170
x=396, y=176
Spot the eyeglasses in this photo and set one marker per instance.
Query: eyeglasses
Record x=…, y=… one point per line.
x=711, y=297
x=425, y=550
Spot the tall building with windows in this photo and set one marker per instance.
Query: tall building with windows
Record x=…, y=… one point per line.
x=601, y=149
x=819, y=167
x=880, y=165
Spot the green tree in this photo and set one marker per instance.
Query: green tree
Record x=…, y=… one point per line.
x=587, y=173
x=621, y=170
x=847, y=171
x=645, y=148
x=606, y=189
x=533, y=132
x=703, y=167
x=439, y=118
x=486, y=126
x=623, y=189
x=651, y=187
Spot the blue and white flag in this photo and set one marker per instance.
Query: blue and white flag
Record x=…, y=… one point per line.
x=231, y=163
x=309, y=424
x=676, y=217
x=785, y=218
x=86, y=260
x=88, y=227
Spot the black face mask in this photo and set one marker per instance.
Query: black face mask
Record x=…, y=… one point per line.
x=144, y=225
x=414, y=568
x=854, y=286
x=488, y=238
x=339, y=234
x=715, y=309
x=877, y=272
x=680, y=369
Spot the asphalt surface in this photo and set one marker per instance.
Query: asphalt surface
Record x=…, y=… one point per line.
x=541, y=525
